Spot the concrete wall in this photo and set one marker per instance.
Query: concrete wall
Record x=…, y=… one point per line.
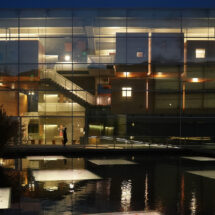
x=28, y=52
x=134, y=104
x=9, y=100
x=127, y=46
x=167, y=48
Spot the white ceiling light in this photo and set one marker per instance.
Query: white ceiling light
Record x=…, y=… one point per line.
x=67, y=57
x=195, y=80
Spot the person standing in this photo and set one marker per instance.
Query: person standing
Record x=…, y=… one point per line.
x=65, y=136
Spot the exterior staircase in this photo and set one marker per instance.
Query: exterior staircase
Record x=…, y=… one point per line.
x=68, y=88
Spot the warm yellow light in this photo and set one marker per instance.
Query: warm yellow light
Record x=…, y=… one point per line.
x=195, y=80
x=13, y=86
x=50, y=95
x=67, y=57
x=100, y=127
x=200, y=53
x=31, y=93
x=49, y=126
x=126, y=74
x=109, y=128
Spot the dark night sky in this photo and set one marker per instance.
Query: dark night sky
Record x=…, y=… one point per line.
x=107, y=3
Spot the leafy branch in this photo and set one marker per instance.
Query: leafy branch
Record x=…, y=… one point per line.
x=9, y=128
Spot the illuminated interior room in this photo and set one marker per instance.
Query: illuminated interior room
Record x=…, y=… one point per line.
x=97, y=72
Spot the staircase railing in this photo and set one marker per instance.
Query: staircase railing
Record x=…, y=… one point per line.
x=68, y=85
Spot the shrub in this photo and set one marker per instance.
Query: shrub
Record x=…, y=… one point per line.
x=9, y=127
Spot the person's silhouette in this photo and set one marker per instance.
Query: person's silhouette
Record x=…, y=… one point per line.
x=64, y=136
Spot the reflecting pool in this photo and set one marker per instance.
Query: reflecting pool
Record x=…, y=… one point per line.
x=145, y=185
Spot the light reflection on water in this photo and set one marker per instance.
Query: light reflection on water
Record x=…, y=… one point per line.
x=153, y=185
x=146, y=192
x=126, y=187
x=193, y=203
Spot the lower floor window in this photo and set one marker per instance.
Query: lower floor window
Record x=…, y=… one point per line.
x=126, y=92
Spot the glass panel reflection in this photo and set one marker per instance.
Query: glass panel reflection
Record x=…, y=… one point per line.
x=84, y=58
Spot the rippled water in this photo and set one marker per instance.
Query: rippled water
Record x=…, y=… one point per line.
x=59, y=185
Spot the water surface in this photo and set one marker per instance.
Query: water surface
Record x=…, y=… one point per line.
x=60, y=185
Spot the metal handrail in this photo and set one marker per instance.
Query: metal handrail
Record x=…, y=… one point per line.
x=68, y=85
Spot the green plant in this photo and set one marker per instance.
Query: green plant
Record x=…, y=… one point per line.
x=9, y=127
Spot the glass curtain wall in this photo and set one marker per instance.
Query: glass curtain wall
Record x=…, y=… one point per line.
x=132, y=74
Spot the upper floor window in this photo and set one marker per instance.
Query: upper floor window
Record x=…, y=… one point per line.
x=200, y=53
x=139, y=54
x=126, y=92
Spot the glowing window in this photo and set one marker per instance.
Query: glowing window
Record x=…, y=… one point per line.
x=139, y=54
x=200, y=53
x=126, y=92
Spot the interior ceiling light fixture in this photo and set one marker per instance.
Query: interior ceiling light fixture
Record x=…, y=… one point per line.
x=195, y=80
x=67, y=57
x=126, y=74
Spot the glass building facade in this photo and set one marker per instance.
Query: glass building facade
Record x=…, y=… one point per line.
x=139, y=74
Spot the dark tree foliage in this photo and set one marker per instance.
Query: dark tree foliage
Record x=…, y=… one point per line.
x=9, y=128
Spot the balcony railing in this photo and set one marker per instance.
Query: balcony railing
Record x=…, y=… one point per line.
x=59, y=107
